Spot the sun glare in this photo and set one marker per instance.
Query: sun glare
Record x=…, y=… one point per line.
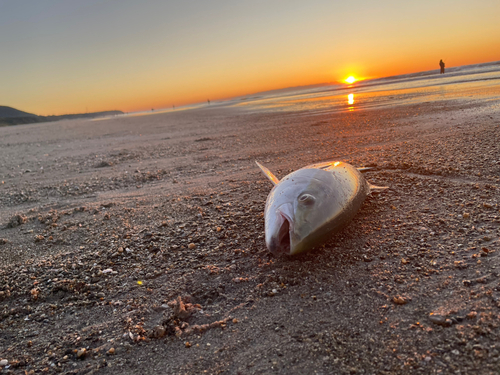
x=351, y=79
x=350, y=99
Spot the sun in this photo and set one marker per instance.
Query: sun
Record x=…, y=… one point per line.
x=350, y=79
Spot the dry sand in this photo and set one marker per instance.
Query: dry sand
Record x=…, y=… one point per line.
x=135, y=245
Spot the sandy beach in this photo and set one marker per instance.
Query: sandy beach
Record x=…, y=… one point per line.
x=135, y=245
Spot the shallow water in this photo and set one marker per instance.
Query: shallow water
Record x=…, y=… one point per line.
x=468, y=83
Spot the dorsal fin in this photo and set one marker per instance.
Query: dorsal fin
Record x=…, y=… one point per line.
x=268, y=174
x=377, y=189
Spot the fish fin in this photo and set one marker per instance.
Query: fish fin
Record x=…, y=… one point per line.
x=364, y=169
x=377, y=189
x=268, y=174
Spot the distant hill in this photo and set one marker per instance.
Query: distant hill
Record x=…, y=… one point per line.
x=12, y=116
x=12, y=112
x=84, y=115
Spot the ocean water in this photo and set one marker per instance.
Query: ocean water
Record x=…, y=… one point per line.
x=471, y=83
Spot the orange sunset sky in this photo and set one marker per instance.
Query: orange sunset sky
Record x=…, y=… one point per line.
x=69, y=56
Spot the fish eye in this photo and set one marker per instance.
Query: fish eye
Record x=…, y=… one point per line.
x=307, y=199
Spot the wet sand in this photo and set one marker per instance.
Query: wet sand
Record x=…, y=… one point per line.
x=107, y=226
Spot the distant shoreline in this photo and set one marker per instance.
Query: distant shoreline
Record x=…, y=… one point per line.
x=10, y=116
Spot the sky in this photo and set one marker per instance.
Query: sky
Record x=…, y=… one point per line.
x=74, y=56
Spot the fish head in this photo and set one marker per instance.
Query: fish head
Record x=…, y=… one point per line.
x=300, y=210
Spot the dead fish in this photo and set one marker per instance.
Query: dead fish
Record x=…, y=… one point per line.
x=307, y=206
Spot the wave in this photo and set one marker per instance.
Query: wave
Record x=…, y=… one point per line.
x=391, y=90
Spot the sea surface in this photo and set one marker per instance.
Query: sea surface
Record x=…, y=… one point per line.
x=480, y=82
x=468, y=83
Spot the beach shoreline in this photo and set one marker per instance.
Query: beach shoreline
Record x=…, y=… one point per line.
x=105, y=224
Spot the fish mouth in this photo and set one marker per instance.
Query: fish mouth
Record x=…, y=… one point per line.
x=281, y=242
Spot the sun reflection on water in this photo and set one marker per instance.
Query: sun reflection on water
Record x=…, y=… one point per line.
x=350, y=101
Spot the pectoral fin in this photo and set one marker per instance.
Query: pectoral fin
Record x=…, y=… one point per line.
x=377, y=189
x=268, y=174
x=364, y=169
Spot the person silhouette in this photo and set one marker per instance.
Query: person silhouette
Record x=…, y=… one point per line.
x=441, y=64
